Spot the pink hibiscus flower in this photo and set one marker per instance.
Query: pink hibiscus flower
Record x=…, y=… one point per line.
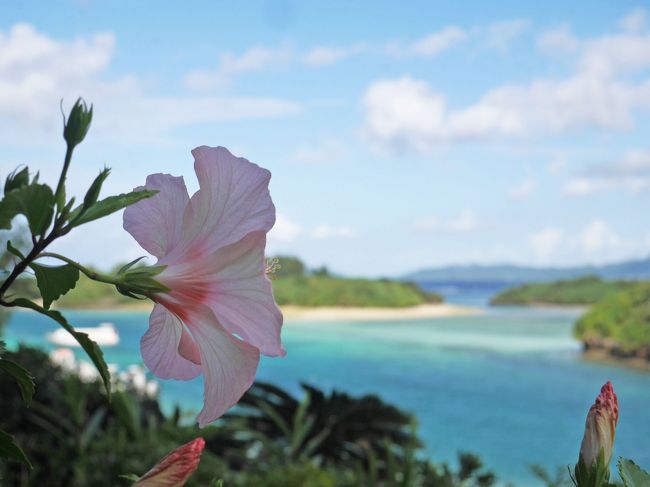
x=219, y=314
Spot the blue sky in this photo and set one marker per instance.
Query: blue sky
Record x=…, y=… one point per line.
x=399, y=135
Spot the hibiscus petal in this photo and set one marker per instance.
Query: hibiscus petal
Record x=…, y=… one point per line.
x=241, y=296
x=175, y=468
x=156, y=222
x=161, y=347
x=233, y=200
x=228, y=364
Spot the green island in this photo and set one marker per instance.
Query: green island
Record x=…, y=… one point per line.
x=582, y=291
x=616, y=324
x=293, y=284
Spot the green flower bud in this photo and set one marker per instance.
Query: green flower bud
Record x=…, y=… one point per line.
x=78, y=122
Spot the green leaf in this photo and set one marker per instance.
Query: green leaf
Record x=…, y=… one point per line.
x=54, y=282
x=35, y=201
x=23, y=378
x=107, y=206
x=14, y=250
x=90, y=347
x=631, y=474
x=10, y=450
x=92, y=195
x=17, y=180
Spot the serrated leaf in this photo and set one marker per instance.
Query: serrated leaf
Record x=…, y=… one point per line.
x=90, y=347
x=107, y=206
x=23, y=378
x=632, y=475
x=54, y=282
x=35, y=201
x=17, y=179
x=11, y=451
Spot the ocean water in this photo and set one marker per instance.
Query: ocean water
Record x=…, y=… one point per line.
x=509, y=385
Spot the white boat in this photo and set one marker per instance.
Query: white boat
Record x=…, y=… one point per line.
x=104, y=334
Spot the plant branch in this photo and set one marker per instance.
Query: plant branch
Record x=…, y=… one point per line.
x=91, y=274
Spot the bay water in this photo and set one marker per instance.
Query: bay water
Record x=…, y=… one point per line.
x=509, y=385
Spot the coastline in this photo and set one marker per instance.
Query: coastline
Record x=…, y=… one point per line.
x=336, y=313
x=333, y=313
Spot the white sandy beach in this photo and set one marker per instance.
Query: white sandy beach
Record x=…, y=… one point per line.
x=336, y=313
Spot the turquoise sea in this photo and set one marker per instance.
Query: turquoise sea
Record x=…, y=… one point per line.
x=509, y=385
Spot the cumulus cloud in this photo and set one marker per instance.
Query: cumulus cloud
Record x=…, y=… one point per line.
x=629, y=173
x=406, y=114
x=37, y=70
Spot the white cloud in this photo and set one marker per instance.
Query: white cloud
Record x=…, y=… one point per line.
x=325, y=231
x=324, y=55
x=406, y=114
x=598, y=236
x=630, y=173
x=546, y=242
x=254, y=59
x=522, y=190
x=284, y=230
x=634, y=22
x=596, y=242
x=328, y=151
x=430, y=45
x=500, y=35
x=36, y=71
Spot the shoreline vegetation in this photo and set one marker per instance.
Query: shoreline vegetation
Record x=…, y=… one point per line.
x=302, y=294
x=615, y=327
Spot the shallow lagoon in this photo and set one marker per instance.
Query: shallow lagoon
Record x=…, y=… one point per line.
x=509, y=385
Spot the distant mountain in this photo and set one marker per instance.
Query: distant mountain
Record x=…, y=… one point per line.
x=632, y=269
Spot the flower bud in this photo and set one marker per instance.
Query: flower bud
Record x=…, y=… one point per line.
x=78, y=122
x=175, y=468
x=600, y=428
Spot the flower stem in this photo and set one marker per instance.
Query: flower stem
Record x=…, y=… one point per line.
x=91, y=274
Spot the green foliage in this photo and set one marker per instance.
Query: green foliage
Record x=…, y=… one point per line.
x=35, y=201
x=11, y=451
x=335, y=291
x=581, y=291
x=75, y=438
x=54, y=282
x=622, y=319
x=23, y=378
x=89, y=293
x=90, y=347
x=17, y=179
x=632, y=475
x=289, y=266
x=107, y=206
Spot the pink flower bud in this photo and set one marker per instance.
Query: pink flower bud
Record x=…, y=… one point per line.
x=600, y=427
x=175, y=468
